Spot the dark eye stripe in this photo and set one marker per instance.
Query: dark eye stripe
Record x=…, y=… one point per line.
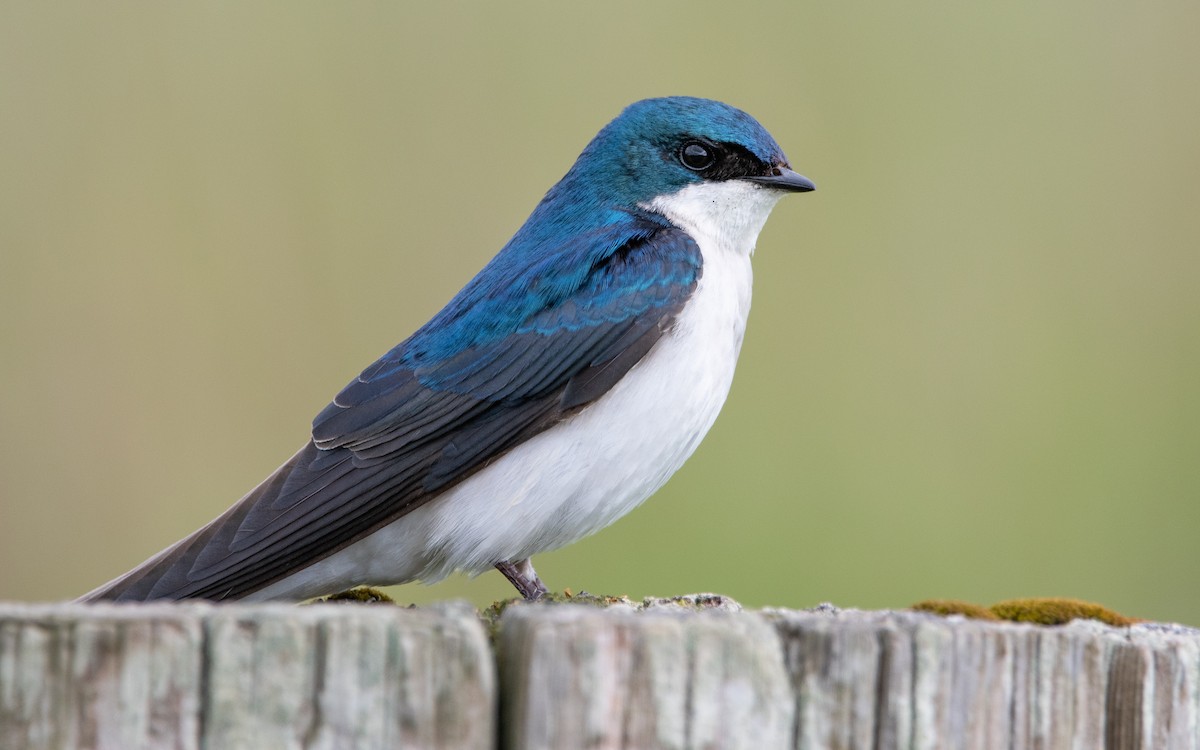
x=737, y=162
x=721, y=161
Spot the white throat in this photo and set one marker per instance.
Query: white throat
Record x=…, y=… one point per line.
x=722, y=216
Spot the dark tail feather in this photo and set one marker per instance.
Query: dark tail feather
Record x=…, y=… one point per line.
x=167, y=575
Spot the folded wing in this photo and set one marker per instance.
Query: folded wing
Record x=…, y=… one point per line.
x=521, y=348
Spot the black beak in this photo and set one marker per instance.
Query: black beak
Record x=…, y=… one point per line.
x=784, y=179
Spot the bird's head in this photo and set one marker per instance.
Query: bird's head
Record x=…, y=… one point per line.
x=658, y=148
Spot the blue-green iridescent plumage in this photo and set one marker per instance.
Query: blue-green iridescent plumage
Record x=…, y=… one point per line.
x=627, y=164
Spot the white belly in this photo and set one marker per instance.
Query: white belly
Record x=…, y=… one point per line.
x=588, y=471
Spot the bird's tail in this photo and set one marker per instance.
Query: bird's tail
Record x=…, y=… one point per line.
x=168, y=574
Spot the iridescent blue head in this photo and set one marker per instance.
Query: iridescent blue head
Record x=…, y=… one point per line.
x=657, y=147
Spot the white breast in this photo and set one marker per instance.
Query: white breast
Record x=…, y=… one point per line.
x=590, y=470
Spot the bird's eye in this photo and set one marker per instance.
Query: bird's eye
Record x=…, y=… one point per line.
x=697, y=156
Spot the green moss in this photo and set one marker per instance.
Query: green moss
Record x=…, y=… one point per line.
x=947, y=607
x=491, y=614
x=1057, y=611
x=598, y=600
x=1050, y=611
x=360, y=595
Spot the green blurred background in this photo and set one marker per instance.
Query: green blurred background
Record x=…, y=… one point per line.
x=973, y=365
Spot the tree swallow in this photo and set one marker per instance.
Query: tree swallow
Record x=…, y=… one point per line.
x=558, y=390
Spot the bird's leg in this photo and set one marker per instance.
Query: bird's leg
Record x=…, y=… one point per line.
x=524, y=577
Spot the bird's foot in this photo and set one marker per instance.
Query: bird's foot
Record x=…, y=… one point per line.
x=524, y=578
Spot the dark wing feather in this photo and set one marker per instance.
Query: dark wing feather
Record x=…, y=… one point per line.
x=413, y=425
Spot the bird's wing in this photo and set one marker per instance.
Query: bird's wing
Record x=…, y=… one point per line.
x=433, y=411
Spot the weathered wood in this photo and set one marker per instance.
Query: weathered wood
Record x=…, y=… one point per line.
x=262, y=676
x=884, y=680
x=696, y=674
x=585, y=677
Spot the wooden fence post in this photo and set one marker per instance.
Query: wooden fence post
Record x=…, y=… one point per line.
x=688, y=673
x=582, y=677
x=886, y=680
x=134, y=677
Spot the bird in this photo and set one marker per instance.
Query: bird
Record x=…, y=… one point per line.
x=556, y=391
